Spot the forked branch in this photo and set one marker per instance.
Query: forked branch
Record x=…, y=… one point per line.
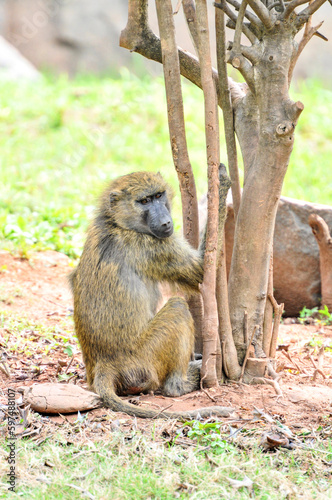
x=250, y=53
x=262, y=12
x=309, y=32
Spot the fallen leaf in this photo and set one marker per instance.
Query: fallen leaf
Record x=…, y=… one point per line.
x=245, y=483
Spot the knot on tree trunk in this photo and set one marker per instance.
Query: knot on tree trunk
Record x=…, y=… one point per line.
x=285, y=128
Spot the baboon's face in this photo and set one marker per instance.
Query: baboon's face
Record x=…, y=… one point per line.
x=155, y=215
x=140, y=202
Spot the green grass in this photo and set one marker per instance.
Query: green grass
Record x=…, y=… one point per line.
x=128, y=464
x=61, y=141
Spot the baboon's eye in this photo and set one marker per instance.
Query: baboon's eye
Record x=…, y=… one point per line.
x=159, y=195
x=145, y=200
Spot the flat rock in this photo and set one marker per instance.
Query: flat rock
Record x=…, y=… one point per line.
x=60, y=398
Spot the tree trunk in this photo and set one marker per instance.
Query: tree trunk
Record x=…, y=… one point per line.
x=265, y=168
x=208, y=288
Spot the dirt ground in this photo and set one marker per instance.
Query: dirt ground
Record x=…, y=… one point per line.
x=35, y=292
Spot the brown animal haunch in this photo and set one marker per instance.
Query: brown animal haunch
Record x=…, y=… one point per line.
x=128, y=347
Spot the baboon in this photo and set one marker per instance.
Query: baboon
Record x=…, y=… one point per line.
x=127, y=347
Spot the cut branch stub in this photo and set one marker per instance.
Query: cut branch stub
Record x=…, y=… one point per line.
x=295, y=111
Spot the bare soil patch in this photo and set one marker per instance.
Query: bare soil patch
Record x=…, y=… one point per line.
x=35, y=293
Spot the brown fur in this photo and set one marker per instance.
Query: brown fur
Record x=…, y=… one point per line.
x=127, y=347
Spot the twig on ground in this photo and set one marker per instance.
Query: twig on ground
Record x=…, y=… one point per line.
x=69, y=364
x=162, y=411
x=275, y=384
x=5, y=369
x=208, y=395
x=317, y=369
x=320, y=362
x=285, y=353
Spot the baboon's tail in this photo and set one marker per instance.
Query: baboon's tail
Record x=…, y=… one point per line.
x=104, y=386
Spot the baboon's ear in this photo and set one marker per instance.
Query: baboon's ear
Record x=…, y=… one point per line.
x=114, y=196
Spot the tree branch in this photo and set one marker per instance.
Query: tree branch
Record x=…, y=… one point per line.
x=244, y=67
x=262, y=12
x=138, y=37
x=322, y=234
x=238, y=27
x=279, y=3
x=249, y=15
x=250, y=53
x=176, y=122
x=307, y=36
x=190, y=15
x=292, y=5
x=229, y=357
x=227, y=109
x=233, y=17
x=304, y=15
x=268, y=313
x=278, y=310
x=171, y=67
